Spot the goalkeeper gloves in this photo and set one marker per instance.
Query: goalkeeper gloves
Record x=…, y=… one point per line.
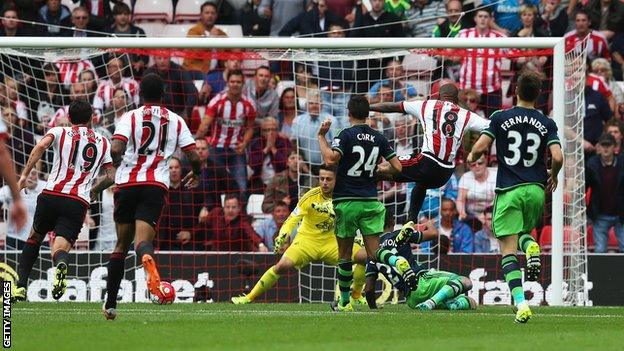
x=280, y=240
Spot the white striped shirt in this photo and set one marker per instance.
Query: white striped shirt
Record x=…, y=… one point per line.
x=480, y=68
x=596, y=44
x=152, y=133
x=230, y=120
x=104, y=93
x=69, y=72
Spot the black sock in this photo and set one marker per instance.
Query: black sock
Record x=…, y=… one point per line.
x=144, y=248
x=60, y=256
x=30, y=253
x=116, y=264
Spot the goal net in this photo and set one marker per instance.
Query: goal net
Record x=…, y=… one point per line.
x=212, y=246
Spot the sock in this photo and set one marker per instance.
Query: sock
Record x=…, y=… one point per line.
x=345, y=279
x=268, y=279
x=448, y=291
x=30, y=253
x=359, y=278
x=60, y=256
x=144, y=248
x=524, y=240
x=459, y=303
x=511, y=269
x=116, y=264
x=387, y=257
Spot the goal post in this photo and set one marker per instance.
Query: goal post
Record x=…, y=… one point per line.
x=315, y=49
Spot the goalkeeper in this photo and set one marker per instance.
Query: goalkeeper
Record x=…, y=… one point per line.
x=435, y=289
x=315, y=240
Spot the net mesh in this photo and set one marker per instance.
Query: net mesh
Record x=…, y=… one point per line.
x=211, y=259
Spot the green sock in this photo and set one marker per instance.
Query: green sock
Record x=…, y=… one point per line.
x=448, y=291
x=268, y=279
x=345, y=279
x=513, y=277
x=524, y=240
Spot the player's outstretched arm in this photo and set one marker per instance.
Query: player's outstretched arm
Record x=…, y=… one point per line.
x=35, y=156
x=369, y=291
x=479, y=148
x=385, y=107
x=555, y=166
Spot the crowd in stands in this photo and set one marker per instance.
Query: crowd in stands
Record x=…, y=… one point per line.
x=256, y=125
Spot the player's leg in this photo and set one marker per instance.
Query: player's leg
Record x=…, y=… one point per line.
x=116, y=265
x=329, y=255
x=461, y=302
x=60, y=253
x=445, y=286
x=533, y=208
x=346, y=226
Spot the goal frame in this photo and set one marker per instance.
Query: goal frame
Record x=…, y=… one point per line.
x=558, y=92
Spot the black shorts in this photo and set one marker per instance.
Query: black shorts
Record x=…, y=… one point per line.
x=424, y=171
x=139, y=202
x=61, y=214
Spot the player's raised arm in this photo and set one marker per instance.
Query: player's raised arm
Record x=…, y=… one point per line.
x=387, y=107
x=35, y=156
x=330, y=156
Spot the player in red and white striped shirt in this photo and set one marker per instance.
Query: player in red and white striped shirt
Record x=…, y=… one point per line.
x=104, y=93
x=481, y=68
x=79, y=152
x=444, y=124
x=234, y=116
x=596, y=43
x=143, y=142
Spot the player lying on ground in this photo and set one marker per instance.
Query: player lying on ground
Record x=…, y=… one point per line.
x=522, y=134
x=146, y=138
x=314, y=242
x=435, y=289
x=79, y=152
x=444, y=124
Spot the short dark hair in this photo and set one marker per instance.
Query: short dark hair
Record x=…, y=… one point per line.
x=614, y=122
x=234, y=72
x=208, y=3
x=447, y=199
x=329, y=168
x=280, y=203
x=263, y=67
x=121, y=8
x=582, y=12
x=489, y=209
x=80, y=112
x=152, y=87
x=484, y=9
x=529, y=86
x=231, y=196
x=358, y=106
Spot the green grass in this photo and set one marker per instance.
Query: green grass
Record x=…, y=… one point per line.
x=81, y=326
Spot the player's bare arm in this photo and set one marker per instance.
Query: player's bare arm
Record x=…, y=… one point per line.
x=118, y=148
x=203, y=126
x=555, y=166
x=479, y=148
x=191, y=180
x=103, y=182
x=395, y=165
x=35, y=156
x=330, y=156
x=386, y=107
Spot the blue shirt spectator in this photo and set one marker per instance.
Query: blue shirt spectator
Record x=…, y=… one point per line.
x=507, y=13
x=306, y=126
x=268, y=228
x=458, y=232
x=484, y=239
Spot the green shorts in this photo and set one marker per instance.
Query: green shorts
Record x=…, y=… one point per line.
x=429, y=283
x=367, y=216
x=518, y=210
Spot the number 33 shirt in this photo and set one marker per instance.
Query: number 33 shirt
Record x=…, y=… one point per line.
x=152, y=133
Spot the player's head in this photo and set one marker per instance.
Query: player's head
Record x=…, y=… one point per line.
x=327, y=178
x=80, y=112
x=280, y=212
x=152, y=88
x=529, y=86
x=358, y=107
x=449, y=92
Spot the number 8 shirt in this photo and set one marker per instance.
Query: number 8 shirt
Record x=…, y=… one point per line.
x=152, y=133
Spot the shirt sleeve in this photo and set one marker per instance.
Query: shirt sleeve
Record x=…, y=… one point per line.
x=341, y=142
x=552, y=137
x=386, y=150
x=490, y=130
x=477, y=123
x=123, y=128
x=414, y=108
x=185, y=141
x=296, y=216
x=108, y=159
x=371, y=269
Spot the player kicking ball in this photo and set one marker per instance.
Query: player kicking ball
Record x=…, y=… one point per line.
x=143, y=142
x=522, y=135
x=79, y=152
x=314, y=242
x=435, y=289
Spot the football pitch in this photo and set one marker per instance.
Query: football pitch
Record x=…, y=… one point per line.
x=81, y=326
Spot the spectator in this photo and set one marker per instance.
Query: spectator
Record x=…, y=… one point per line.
x=606, y=16
x=11, y=27
x=120, y=104
x=82, y=24
x=216, y=80
x=422, y=17
x=602, y=68
x=105, y=90
x=553, y=17
x=596, y=44
x=404, y=140
x=398, y=7
x=305, y=83
x=99, y=11
x=78, y=91
x=305, y=127
x=280, y=12
x=395, y=77
x=45, y=97
x=616, y=129
x=344, y=9
x=214, y=181
x=11, y=98
x=507, y=14
x=605, y=178
x=16, y=239
x=489, y=83
x=268, y=228
x=22, y=139
x=265, y=98
x=229, y=229
x=106, y=237
x=175, y=230
x=470, y=98
x=288, y=112
x=336, y=78
x=597, y=112
x=311, y=23
x=52, y=17
x=180, y=93
x=476, y=190
x=89, y=79
x=484, y=239
x=617, y=50
x=528, y=14
x=226, y=14
x=451, y=25
x=123, y=27
x=459, y=234
x=286, y=184
x=234, y=116
x=69, y=71
x=252, y=23
x=268, y=155
x=205, y=27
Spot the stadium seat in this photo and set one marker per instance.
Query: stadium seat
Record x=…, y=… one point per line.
x=421, y=86
x=187, y=11
x=419, y=64
x=254, y=206
x=153, y=29
x=282, y=85
x=232, y=30
x=153, y=10
x=176, y=30
x=249, y=66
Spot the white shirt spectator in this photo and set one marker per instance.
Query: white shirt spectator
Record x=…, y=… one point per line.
x=479, y=195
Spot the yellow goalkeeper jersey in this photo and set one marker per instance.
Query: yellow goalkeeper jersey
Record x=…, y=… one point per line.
x=315, y=213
